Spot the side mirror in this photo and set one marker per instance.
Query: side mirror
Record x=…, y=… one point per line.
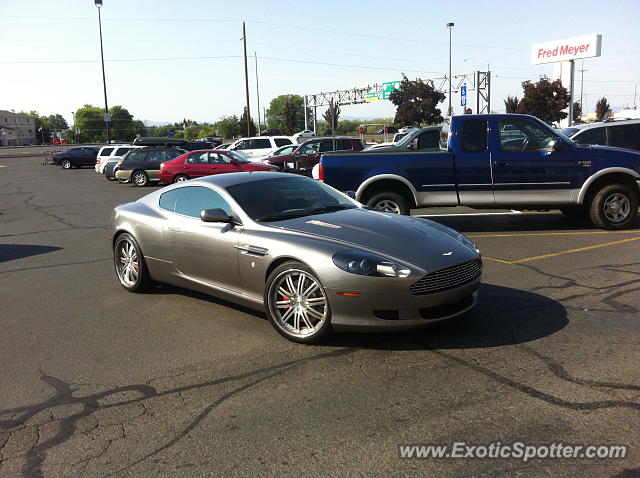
x=414, y=144
x=556, y=145
x=215, y=215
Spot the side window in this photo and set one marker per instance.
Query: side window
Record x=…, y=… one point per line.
x=122, y=151
x=309, y=148
x=215, y=158
x=136, y=156
x=261, y=143
x=524, y=135
x=192, y=200
x=168, y=200
x=431, y=139
x=106, y=152
x=326, y=145
x=592, y=136
x=474, y=135
x=244, y=144
x=198, y=158
x=155, y=157
x=282, y=141
x=343, y=145
x=173, y=153
x=625, y=136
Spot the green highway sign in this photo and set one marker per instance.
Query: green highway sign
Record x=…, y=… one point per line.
x=387, y=88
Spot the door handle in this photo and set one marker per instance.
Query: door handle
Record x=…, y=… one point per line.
x=501, y=163
x=174, y=229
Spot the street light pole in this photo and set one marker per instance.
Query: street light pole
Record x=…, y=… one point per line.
x=107, y=118
x=450, y=27
x=257, y=89
x=246, y=78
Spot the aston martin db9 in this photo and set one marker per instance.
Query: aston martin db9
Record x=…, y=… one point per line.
x=309, y=256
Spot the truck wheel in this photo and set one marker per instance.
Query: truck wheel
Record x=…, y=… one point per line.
x=390, y=202
x=613, y=207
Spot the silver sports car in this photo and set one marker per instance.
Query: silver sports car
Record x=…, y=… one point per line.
x=309, y=256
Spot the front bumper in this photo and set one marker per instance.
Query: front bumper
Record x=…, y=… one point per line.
x=398, y=310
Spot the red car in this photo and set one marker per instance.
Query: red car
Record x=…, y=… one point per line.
x=195, y=164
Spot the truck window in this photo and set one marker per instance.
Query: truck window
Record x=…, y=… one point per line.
x=474, y=135
x=524, y=135
x=624, y=136
x=429, y=139
x=592, y=136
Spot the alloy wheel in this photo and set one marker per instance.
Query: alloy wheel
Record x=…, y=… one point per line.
x=616, y=207
x=388, y=205
x=298, y=303
x=127, y=265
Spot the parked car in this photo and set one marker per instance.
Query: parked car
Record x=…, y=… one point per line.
x=270, y=132
x=110, y=170
x=205, y=163
x=282, y=150
x=480, y=165
x=619, y=134
x=308, y=256
x=142, y=166
x=209, y=139
x=76, y=157
x=416, y=139
x=390, y=129
x=113, y=152
x=223, y=146
x=258, y=146
x=307, y=155
x=300, y=136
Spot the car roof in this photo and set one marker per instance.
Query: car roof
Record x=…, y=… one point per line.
x=231, y=179
x=597, y=124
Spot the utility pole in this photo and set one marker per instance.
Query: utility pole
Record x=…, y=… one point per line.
x=582, y=70
x=450, y=27
x=257, y=88
x=107, y=116
x=246, y=78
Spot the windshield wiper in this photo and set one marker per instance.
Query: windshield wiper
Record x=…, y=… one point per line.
x=280, y=217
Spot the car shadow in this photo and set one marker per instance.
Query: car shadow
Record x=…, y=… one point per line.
x=503, y=316
x=518, y=222
x=10, y=252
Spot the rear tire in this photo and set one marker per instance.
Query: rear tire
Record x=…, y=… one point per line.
x=614, y=207
x=180, y=177
x=66, y=164
x=140, y=179
x=390, y=202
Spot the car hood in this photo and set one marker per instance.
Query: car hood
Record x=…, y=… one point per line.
x=414, y=241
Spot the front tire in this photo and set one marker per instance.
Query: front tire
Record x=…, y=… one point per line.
x=140, y=179
x=390, y=202
x=613, y=207
x=66, y=164
x=296, y=304
x=131, y=269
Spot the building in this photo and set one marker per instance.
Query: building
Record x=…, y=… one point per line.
x=16, y=129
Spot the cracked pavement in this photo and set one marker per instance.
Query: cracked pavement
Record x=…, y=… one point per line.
x=96, y=381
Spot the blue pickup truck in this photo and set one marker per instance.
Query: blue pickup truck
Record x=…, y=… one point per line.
x=498, y=160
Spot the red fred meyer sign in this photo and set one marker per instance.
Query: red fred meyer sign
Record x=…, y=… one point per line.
x=564, y=50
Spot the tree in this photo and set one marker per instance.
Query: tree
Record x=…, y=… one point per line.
x=243, y=124
x=416, y=102
x=228, y=126
x=577, y=111
x=90, y=122
x=42, y=127
x=331, y=115
x=603, y=109
x=275, y=113
x=57, y=122
x=511, y=104
x=544, y=99
x=291, y=116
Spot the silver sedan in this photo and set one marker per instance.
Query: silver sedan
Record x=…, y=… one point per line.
x=309, y=256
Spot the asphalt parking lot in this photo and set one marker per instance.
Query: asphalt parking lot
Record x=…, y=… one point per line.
x=100, y=382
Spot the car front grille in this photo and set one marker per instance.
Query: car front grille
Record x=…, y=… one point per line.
x=448, y=278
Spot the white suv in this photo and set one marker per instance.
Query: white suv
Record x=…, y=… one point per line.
x=113, y=151
x=259, y=146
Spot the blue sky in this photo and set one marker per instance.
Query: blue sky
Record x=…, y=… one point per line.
x=371, y=41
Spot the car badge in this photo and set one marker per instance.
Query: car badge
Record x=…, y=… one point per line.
x=447, y=253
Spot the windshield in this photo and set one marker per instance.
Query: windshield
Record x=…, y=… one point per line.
x=237, y=157
x=283, y=198
x=569, y=131
x=407, y=139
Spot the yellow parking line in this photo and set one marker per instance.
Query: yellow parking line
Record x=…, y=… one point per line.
x=568, y=251
x=636, y=231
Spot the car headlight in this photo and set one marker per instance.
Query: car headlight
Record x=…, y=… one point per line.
x=365, y=264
